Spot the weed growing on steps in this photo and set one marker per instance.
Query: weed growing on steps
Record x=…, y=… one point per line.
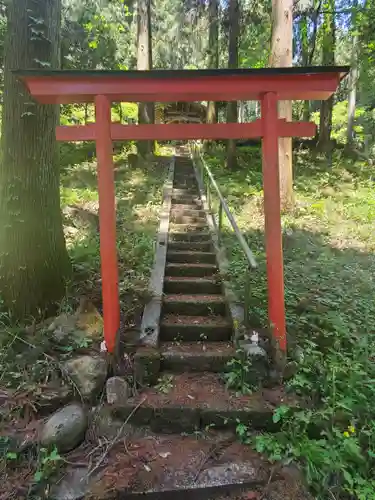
x=165, y=384
x=238, y=374
x=329, y=268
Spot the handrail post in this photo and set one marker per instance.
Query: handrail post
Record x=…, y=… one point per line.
x=208, y=180
x=220, y=221
x=247, y=297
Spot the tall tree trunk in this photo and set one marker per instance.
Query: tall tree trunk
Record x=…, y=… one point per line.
x=308, y=48
x=242, y=111
x=281, y=55
x=353, y=80
x=213, y=52
x=144, y=62
x=303, y=29
x=33, y=258
x=234, y=29
x=328, y=59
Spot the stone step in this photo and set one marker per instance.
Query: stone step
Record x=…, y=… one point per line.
x=206, y=465
x=189, y=401
x=203, y=246
x=202, y=356
x=191, y=256
x=184, y=184
x=187, y=188
x=187, y=199
x=201, y=236
x=198, y=270
x=192, y=191
x=194, y=305
x=195, y=328
x=187, y=210
x=185, y=228
x=177, y=217
x=183, y=181
x=177, y=284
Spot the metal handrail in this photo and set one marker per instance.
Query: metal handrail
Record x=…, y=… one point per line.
x=223, y=206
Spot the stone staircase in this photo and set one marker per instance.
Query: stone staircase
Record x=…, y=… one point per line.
x=181, y=379
x=182, y=404
x=195, y=329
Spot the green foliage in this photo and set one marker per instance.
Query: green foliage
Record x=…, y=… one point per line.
x=165, y=384
x=333, y=437
x=237, y=376
x=138, y=193
x=329, y=264
x=48, y=462
x=340, y=122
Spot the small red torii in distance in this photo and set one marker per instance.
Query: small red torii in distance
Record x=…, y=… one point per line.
x=268, y=85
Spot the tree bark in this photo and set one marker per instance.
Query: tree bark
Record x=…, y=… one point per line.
x=303, y=29
x=232, y=115
x=328, y=59
x=281, y=55
x=353, y=81
x=144, y=63
x=213, y=52
x=33, y=258
x=308, y=55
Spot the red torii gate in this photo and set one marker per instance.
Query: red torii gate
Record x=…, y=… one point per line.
x=267, y=85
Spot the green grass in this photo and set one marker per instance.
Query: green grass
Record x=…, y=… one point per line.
x=31, y=359
x=138, y=198
x=329, y=261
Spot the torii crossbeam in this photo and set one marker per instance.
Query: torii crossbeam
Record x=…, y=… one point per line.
x=266, y=85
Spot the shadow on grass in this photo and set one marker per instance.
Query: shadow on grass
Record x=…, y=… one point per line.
x=311, y=172
x=139, y=195
x=327, y=290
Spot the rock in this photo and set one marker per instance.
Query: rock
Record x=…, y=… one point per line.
x=254, y=351
x=298, y=355
x=275, y=378
x=105, y=424
x=73, y=486
x=118, y=391
x=65, y=429
x=63, y=327
x=229, y=473
x=52, y=397
x=290, y=370
x=147, y=362
x=86, y=324
x=259, y=362
x=293, y=471
x=89, y=374
x=89, y=319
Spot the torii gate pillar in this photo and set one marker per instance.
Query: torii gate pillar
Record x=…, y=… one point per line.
x=268, y=85
x=272, y=218
x=107, y=221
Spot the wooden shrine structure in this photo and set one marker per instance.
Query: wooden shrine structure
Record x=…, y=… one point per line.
x=267, y=85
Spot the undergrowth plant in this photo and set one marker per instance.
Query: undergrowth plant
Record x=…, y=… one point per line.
x=332, y=432
x=238, y=374
x=48, y=463
x=329, y=264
